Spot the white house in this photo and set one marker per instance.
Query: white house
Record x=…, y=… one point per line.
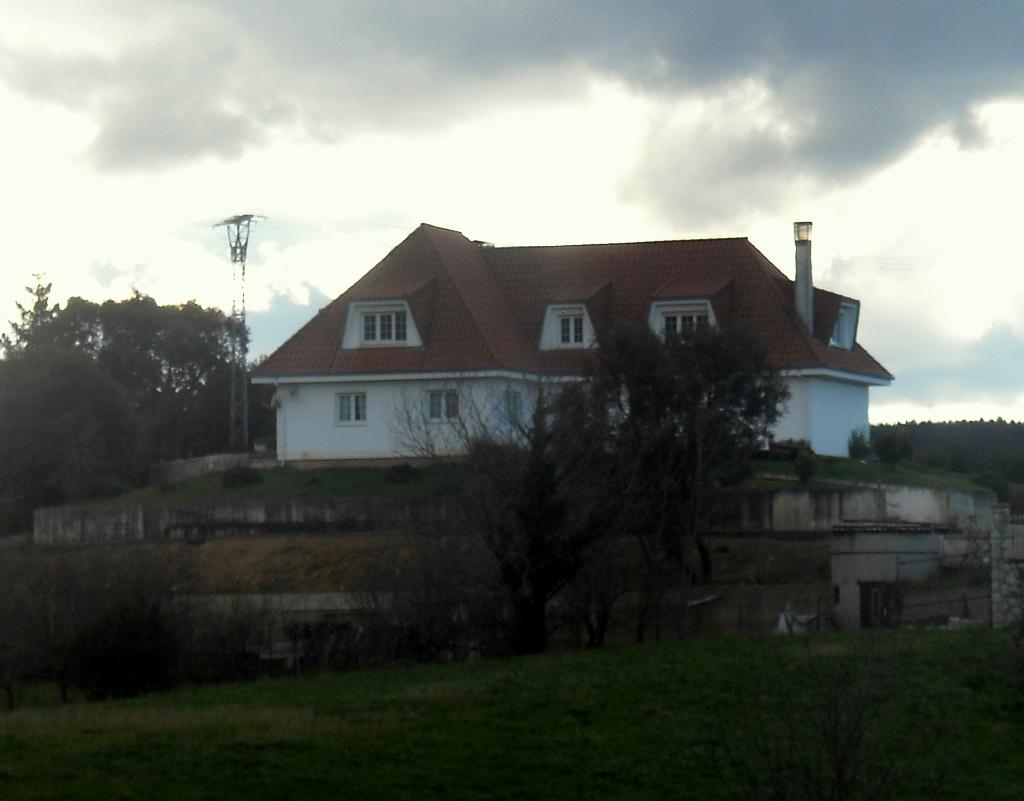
x=444, y=321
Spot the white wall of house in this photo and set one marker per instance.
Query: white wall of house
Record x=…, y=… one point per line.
x=308, y=425
x=825, y=412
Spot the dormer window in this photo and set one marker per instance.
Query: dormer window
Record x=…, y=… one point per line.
x=683, y=324
x=567, y=326
x=844, y=333
x=680, y=318
x=380, y=325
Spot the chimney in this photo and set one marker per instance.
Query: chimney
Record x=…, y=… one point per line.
x=804, y=285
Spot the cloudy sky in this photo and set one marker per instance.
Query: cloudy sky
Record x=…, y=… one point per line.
x=129, y=127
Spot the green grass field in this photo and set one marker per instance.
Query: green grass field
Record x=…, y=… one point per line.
x=833, y=469
x=286, y=483
x=353, y=482
x=641, y=722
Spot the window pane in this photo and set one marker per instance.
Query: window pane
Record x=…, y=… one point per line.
x=345, y=408
x=436, y=403
x=577, y=329
x=369, y=326
x=400, y=326
x=513, y=406
x=359, y=407
x=565, y=330
x=385, y=326
x=451, y=404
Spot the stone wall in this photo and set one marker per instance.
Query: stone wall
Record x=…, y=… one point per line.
x=181, y=469
x=1007, y=566
x=117, y=523
x=801, y=509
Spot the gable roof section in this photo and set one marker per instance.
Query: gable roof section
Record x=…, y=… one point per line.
x=480, y=307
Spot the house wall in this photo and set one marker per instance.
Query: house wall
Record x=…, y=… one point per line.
x=884, y=556
x=825, y=412
x=307, y=426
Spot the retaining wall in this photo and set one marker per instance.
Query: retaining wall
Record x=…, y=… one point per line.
x=95, y=524
x=181, y=469
x=1007, y=566
x=819, y=510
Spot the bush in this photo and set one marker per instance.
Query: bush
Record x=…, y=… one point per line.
x=130, y=649
x=241, y=476
x=806, y=466
x=403, y=473
x=859, y=446
x=893, y=447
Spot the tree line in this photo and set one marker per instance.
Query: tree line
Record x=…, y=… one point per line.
x=990, y=451
x=91, y=394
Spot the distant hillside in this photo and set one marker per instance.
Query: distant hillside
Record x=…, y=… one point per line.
x=965, y=445
x=990, y=451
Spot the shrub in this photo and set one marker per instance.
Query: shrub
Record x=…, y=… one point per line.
x=403, y=473
x=893, y=447
x=241, y=476
x=129, y=649
x=806, y=466
x=859, y=446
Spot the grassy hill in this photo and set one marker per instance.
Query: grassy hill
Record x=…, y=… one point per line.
x=642, y=722
x=285, y=483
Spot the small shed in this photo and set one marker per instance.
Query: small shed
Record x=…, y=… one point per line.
x=870, y=564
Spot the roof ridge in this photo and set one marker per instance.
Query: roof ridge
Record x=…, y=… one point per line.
x=481, y=329
x=620, y=244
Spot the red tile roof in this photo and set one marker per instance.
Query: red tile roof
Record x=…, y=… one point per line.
x=479, y=307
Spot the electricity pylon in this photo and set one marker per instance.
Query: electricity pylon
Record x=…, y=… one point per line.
x=238, y=241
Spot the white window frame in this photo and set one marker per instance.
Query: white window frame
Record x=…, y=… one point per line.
x=385, y=326
x=844, y=333
x=447, y=403
x=354, y=402
x=566, y=327
x=512, y=406
x=389, y=320
x=676, y=310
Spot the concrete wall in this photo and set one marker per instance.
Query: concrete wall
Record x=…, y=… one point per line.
x=825, y=412
x=308, y=429
x=800, y=509
x=837, y=409
x=889, y=556
x=96, y=524
x=181, y=469
x=1007, y=566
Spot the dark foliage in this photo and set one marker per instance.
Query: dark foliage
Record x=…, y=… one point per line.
x=403, y=473
x=130, y=649
x=678, y=419
x=893, y=447
x=859, y=447
x=67, y=432
x=518, y=496
x=806, y=466
x=241, y=476
x=167, y=369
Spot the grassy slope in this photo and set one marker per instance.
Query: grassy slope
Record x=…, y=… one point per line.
x=286, y=483
x=327, y=483
x=634, y=722
x=831, y=469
